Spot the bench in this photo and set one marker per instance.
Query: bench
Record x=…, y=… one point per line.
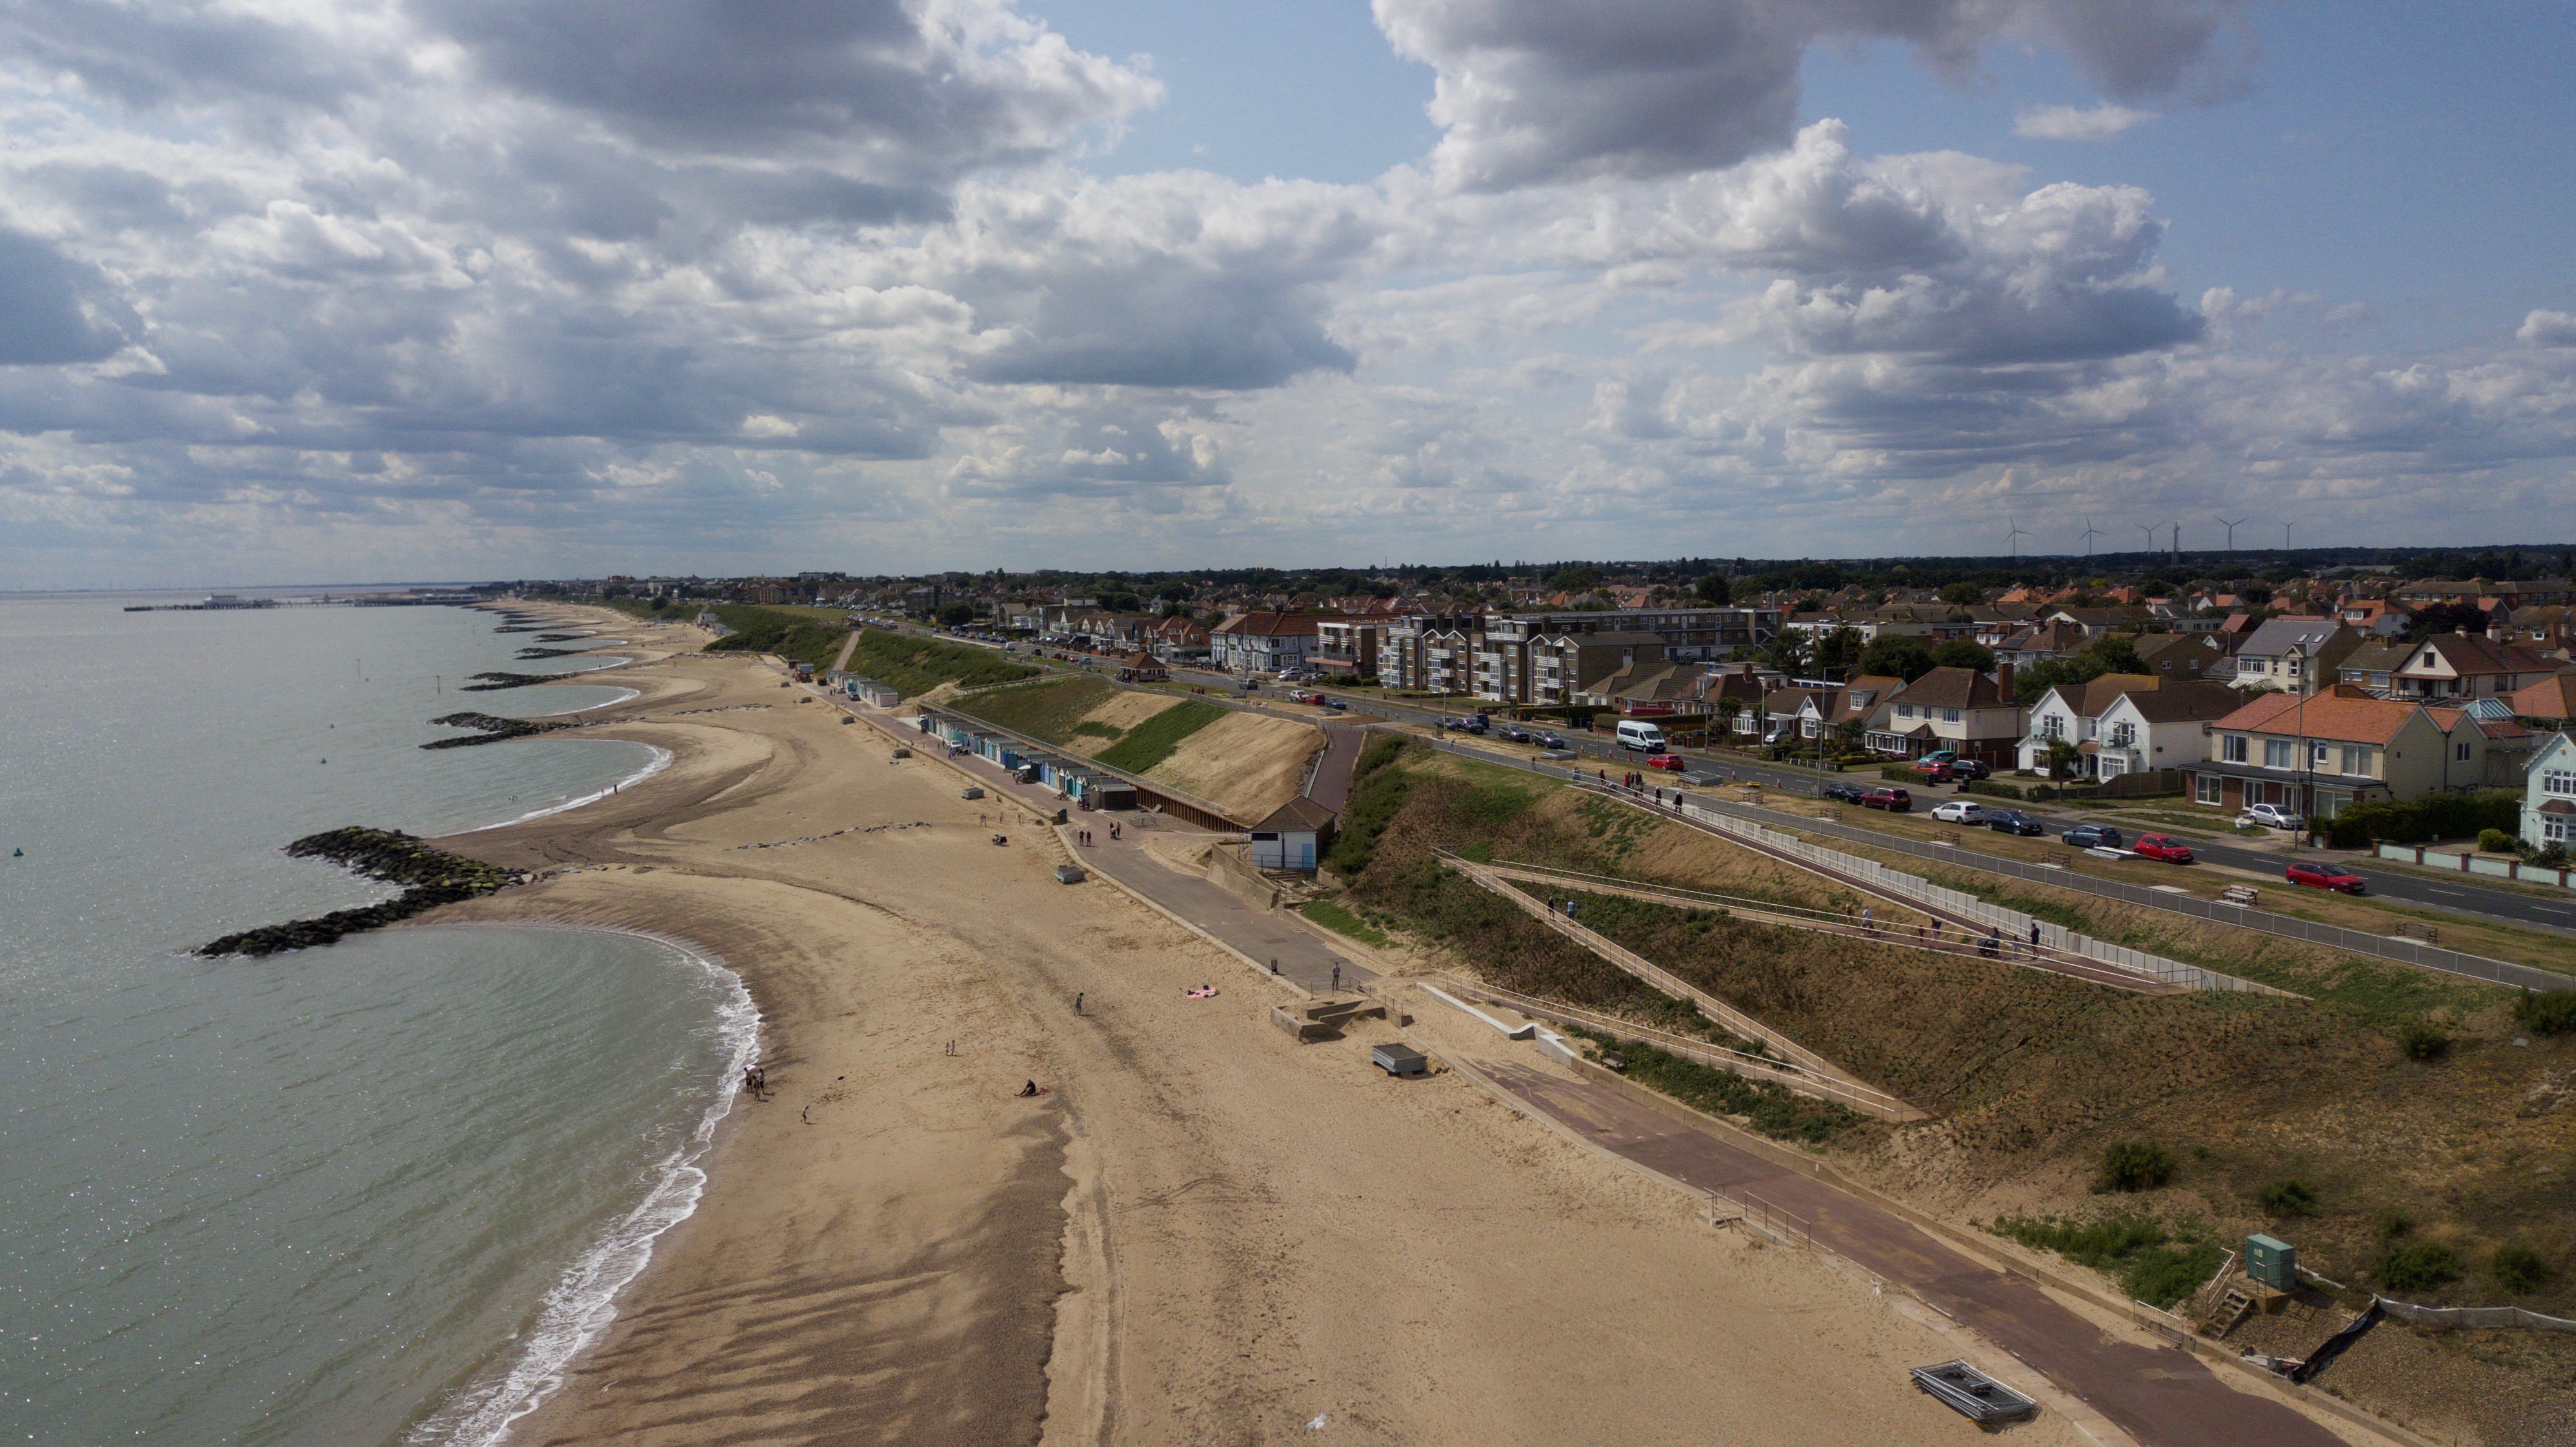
x=2237, y=894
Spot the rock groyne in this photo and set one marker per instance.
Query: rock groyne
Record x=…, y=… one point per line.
x=431, y=877
x=491, y=729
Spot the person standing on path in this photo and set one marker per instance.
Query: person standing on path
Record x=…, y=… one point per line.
x=2034, y=937
x=1337, y=977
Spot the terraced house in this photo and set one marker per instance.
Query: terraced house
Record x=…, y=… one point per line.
x=2319, y=755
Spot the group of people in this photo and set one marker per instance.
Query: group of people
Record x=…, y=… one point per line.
x=755, y=1081
x=1083, y=836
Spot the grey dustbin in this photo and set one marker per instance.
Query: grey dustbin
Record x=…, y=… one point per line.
x=1068, y=874
x=971, y=791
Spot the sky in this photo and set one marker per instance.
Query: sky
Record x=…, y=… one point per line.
x=462, y=289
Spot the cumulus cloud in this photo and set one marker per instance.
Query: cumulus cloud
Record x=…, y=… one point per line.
x=2067, y=123
x=2548, y=329
x=1530, y=91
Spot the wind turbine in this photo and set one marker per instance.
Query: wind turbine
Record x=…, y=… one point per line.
x=2231, y=525
x=2150, y=530
x=2015, y=535
x=2090, y=533
x=2285, y=537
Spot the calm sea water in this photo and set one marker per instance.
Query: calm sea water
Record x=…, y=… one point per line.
x=367, y=1194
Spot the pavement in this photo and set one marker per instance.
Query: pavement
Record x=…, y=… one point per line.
x=2161, y=1397
x=1340, y=759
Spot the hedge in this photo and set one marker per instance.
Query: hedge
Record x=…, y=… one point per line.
x=2032, y=793
x=2438, y=816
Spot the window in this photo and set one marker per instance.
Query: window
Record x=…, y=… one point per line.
x=2317, y=755
x=2356, y=760
x=2460, y=751
x=2205, y=788
x=1905, y=710
x=2231, y=749
x=2553, y=831
x=2124, y=735
x=2052, y=726
x=2277, y=755
x=1949, y=715
x=2559, y=782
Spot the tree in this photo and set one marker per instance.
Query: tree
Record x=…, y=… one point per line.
x=957, y=615
x=1902, y=657
x=1715, y=591
x=2117, y=653
x=1729, y=710
x=1575, y=580
x=2446, y=618
x=1847, y=733
x=1964, y=653
x=1962, y=593
x=1837, y=651
x=2061, y=758
x=1787, y=651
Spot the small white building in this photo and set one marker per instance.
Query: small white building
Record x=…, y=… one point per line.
x=1295, y=836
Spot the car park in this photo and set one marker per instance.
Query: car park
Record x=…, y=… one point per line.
x=1893, y=800
x=2014, y=821
x=2091, y=836
x=2324, y=874
x=2269, y=816
x=2163, y=847
x=1843, y=793
x=1671, y=763
x=1960, y=811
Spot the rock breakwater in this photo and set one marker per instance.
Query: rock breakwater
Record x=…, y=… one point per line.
x=431, y=877
x=491, y=730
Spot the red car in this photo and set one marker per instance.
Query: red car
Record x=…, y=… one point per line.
x=1934, y=771
x=1670, y=762
x=1894, y=801
x=2164, y=847
x=2318, y=874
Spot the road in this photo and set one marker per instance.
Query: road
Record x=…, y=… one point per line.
x=2463, y=898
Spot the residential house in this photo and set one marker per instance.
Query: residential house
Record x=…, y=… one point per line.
x=1143, y=667
x=2549, y=795
x=2372, y=666
x=2043, y=641
x=2144, y=730
x=1178, y=640
x=2374, y=617
x=2177, y=657
x=2452, y=666
x=1263, y=642
x=2294, y=655
x=1782, y=709
x=1950, y=708
x=2071, y=712
x=2319, y=754
x=2548, y=704
x=2097, y=622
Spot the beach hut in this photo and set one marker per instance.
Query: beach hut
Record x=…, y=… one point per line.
x=1293, y=837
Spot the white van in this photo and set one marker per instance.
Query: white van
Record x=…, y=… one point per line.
x=1636, y=735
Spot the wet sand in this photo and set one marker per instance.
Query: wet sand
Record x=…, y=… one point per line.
x=1202, y=1233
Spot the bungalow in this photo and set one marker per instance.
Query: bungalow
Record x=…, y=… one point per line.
x=1143, y=667
x=2318, y=754
x=2467, y=665
x=2549, y=795
x=1783, y=708
x=1950, y=708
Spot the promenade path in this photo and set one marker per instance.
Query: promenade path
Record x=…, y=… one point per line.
x=2159, y=1396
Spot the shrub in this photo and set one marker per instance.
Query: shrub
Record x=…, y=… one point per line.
x=2423, y=1040
x=2288, y=1198
x=2496, y=841
x=2518, y=1269
x=2135, y=1246
x=2547, y=1012
x=2415, y=1265
x=2442, y=816
x=2135, y=1166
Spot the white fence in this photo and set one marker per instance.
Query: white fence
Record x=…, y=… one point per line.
x=2457, y=1318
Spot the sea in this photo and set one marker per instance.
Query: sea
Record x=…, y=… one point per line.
x=375, y=1193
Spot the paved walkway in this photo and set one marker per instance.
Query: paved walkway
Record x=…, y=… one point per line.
x=2159, y=1396
x=1341, y=758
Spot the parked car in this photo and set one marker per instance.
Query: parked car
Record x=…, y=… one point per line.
x=1968, y=769
x=2322, y=874
x=1960, y=811
x=1249, y=684
x=1939, y=756
x=1934, y=771
x=1336, y=704
x=2270, y=816
x=1670, y=763
x=1516, y=733
x=2092, y=836
x=2163, y=847
x=1843, y=793
x=1549, y=740
x=2014, y=821
x=1893, y=800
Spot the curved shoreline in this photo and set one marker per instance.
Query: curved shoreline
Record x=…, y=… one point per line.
x=661, y=760
x=583, y=1301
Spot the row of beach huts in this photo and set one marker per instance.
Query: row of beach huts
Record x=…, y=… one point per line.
x=1077, y=780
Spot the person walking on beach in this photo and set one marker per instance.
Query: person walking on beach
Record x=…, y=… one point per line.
x=1077, y=1002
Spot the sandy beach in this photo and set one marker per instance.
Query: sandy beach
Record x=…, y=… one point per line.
x=1201, y=1232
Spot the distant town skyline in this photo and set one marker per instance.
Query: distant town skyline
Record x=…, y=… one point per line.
x=457, y=290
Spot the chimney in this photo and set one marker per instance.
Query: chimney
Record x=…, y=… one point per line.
x=2003, y=680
